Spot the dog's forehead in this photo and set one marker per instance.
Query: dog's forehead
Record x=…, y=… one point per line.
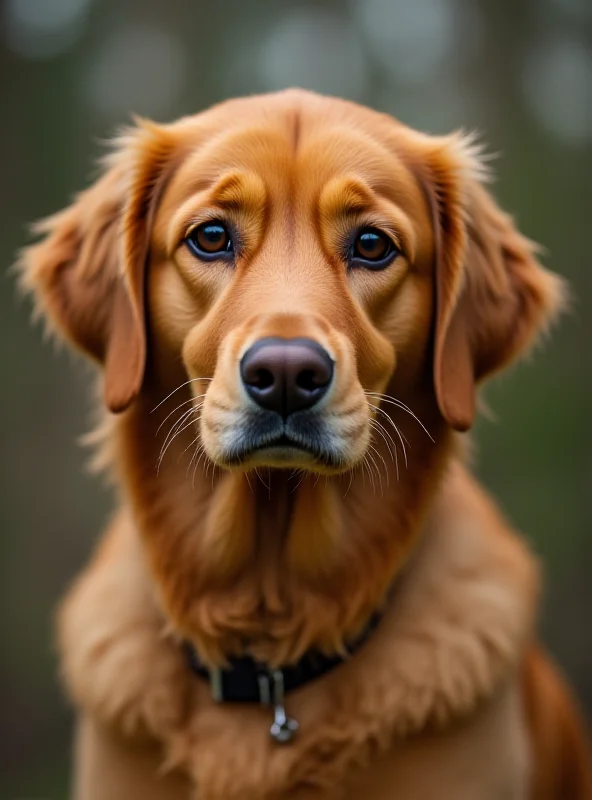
x=295, y=141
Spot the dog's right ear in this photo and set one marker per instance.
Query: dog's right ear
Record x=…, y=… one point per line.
x=88, y=272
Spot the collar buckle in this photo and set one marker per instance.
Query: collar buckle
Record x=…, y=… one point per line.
x=271, y=693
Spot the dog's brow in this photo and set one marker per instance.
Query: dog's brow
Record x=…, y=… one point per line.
x=239, y=191
x=345, y=196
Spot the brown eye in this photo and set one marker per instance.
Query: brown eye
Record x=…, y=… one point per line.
x=373, y=249
x=209, y=240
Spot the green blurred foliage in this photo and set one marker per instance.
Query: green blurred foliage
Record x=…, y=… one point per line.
x=72, y=70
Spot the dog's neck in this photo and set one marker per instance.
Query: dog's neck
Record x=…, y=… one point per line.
x=273, y=562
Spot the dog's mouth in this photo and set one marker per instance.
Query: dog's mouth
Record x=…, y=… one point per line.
x=285, y=451
x=265, y=440
x=280, y=451
x=282, y=443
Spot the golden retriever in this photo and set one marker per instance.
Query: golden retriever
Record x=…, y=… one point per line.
x=303, y=593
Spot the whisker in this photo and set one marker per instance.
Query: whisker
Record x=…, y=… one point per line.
x=172, y=439
x=381, y=457
x=378, y=475
x=191, y=380
x=388, y=418
x=191, y=443
x=372, y=463
x=195, y=459
x=376, y=425
x=379, y=428
x=197, y=449
x=261, y=479
x=398, y=404
x=177, y=424
x=208, y=465
x=351, y=478
x=202, y=454
x=401, y=438
x=397, y=431
x=177, y=427
x=370, y=475
x=184, y=403
x=300, y=481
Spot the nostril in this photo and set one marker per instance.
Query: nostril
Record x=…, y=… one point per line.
x=310, y=380
x=262, y=379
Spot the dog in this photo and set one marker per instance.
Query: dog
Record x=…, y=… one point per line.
x=292, y=301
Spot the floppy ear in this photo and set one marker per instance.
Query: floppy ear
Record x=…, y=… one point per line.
x=492, y=296
x=88, y=272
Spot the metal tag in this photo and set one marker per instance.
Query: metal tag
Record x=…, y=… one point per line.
x=271, y=689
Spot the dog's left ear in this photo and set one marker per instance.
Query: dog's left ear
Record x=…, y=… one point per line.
x=492, y=295
x=88, y=271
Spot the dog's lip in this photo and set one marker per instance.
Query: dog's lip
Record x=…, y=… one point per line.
x=284, y=447
x=284, y=442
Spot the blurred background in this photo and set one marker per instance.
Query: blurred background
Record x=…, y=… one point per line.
x=519, y=71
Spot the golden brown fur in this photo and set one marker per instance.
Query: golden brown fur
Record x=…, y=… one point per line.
x=202, y=549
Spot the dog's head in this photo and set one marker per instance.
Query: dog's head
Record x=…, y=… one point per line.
x=294, y=257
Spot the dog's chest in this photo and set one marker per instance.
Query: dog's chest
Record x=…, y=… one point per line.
x=443, y=658
x=487, y=758
x=483, y=757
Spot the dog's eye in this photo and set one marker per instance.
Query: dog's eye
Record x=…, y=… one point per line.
x=372, y=249
x=209, y=240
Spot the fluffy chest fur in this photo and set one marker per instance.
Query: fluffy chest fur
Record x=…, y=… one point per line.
x=448, y=646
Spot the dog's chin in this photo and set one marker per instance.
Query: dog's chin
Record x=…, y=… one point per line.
x=281, y=455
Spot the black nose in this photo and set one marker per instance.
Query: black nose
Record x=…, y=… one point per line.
x=286, y=375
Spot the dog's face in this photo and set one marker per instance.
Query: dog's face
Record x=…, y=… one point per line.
x=293, y=275
x=300, y=254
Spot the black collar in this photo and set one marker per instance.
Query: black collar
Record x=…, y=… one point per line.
x=248, y=681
